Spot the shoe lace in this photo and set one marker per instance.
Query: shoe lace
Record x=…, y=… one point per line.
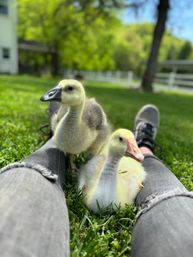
x=144, y=132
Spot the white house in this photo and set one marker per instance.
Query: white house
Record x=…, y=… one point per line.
x=8, y=37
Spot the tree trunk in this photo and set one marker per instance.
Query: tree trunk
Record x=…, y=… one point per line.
x=55, y=62
x=162, y=11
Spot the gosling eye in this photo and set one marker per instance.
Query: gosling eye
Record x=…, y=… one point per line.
x=69, y=88
x=120, y=139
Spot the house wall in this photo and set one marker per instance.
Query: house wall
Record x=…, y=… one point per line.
x=8, y=38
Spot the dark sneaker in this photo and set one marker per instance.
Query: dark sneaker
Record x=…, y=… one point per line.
x=146, y=124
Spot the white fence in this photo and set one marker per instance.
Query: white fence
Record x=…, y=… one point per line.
x=173, y=79
x=128, y=79
x=118, y=77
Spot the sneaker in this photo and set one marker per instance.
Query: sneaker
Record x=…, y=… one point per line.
x=146, y=125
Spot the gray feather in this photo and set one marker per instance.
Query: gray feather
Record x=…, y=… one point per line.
x=53, y=108
x=94, y=114
x=56, y=111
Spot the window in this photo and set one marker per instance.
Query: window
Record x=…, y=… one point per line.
x=3, y=6
x=6, y=53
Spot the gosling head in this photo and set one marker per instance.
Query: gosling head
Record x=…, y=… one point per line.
x=68, y=92
x=122, y=143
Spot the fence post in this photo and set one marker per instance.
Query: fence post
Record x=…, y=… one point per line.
x=130, y=76
x=171, y=78
x=118, y=75
x=108, y=76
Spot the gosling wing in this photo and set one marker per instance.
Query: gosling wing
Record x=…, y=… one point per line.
x=94, y=115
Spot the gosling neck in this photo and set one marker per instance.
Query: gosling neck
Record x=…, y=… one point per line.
x=75, y=112
x=111, y=165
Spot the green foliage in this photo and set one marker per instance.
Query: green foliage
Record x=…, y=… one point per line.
x=87, y=36
x=170, y=47
x=80, y=34
x=133, y=44
x=129, y=52
x=22, y=114
x=91, y=50
x=185, y=51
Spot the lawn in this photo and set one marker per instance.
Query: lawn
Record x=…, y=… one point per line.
x=22, y=114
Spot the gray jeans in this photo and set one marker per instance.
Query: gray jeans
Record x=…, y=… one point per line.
x=34, y=218
x=164, y=227
x=33, y=213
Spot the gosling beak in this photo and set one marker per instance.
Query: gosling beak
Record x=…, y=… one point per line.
x=133, y=150
x=53, y=94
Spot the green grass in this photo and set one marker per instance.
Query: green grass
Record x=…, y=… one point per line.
x=22, y=114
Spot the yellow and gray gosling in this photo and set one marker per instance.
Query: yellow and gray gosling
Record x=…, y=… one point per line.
x=115, y=176
x=83, y=127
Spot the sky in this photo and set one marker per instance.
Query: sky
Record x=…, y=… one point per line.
x=180, y=21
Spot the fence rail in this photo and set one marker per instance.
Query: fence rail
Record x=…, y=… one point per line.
x=125, y=78
x=174, y=79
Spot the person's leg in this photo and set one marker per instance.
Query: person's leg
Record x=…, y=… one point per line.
x=164, y=224
x=34, y=216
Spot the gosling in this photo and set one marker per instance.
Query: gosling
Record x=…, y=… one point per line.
x=113, y=178
x=83, y=127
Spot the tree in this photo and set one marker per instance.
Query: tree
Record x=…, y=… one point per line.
x=162, y=13
x=162, y=10
x=129, y=48
x=77, y=32
x=47, y=22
